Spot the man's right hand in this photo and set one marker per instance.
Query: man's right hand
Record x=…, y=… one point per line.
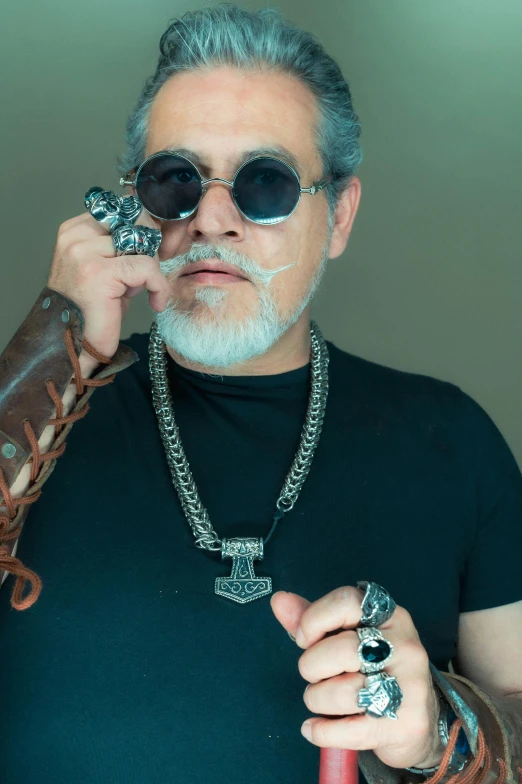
x=86, y=269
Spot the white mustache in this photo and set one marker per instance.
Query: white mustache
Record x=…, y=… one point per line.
x=226, y=255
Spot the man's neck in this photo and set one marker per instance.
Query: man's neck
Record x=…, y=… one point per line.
x=291, y=351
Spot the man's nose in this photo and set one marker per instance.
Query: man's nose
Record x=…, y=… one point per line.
x=217, y=215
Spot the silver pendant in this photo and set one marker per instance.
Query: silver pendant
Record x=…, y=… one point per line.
x=243, y=585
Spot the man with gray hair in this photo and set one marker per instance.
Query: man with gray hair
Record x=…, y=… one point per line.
x=246, y=474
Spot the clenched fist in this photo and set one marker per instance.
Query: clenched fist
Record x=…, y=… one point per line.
x=332, y=666
x=86, y=269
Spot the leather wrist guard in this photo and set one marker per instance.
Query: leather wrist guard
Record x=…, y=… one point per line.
x=493, y=728
x=36, y=367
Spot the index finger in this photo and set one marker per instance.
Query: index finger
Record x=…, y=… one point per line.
x=339, y=609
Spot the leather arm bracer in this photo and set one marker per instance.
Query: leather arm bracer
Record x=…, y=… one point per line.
x=37, y=366
x=493, y=728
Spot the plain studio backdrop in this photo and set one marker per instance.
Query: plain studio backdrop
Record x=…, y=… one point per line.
x=431, y=280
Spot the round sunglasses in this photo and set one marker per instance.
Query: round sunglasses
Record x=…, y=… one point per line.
x=265, y=190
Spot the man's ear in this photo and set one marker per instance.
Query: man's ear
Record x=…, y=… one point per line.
x=344, y=217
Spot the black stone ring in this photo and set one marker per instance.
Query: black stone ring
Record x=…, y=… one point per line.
x=374, y=651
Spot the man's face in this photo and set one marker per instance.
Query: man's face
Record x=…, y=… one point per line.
x=219, y=116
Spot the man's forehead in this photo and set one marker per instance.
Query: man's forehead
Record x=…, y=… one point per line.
x=223, y=117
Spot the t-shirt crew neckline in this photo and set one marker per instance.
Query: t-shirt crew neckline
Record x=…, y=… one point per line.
x=291, y=378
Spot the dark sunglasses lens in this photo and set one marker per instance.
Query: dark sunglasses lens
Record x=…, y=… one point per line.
x=266, y=191
x=169, y=187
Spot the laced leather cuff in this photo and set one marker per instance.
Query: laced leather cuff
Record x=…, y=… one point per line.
x=493, y=728
x=36, y=368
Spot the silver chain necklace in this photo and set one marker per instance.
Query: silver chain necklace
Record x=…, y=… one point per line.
x=242, y=585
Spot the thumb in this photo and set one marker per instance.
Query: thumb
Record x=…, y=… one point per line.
x=288, y=609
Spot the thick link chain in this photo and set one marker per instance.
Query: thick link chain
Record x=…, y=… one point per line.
x=195, y=512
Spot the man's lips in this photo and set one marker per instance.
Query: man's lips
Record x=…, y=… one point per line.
x=214, y=277
x=213, y=267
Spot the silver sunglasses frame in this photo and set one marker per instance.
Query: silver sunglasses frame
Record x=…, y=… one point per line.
x=316, y=186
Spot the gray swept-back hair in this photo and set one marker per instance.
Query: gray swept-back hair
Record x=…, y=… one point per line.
x=226, y=34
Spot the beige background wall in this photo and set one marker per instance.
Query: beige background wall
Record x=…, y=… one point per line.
x=432, y=277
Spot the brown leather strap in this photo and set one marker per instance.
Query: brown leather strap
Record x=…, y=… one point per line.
x=36, y=368
x=493, y=726
x=36, y=353
x=492, y=732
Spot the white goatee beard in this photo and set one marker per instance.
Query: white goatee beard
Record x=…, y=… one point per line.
x=217, y=341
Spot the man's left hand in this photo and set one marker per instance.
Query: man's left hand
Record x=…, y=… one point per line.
x=332, y=666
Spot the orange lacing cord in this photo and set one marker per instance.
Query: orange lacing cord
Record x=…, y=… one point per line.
x=9, y=563
x=476, y=770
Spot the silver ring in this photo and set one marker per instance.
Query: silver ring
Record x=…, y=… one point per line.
x=130, y=208
x=377, y=606
x=105, y=207
x=110, y=210
x=382, y=696
x=136, y=240
x=374, y=651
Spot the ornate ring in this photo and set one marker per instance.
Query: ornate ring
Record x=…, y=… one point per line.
x=136, y=240
x=105, y=207
x=110, y=210
x=130, y=208
x=377, y=606
x=382, y=696
x=374, y=651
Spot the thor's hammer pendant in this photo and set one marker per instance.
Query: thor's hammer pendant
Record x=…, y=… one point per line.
x=243, y=586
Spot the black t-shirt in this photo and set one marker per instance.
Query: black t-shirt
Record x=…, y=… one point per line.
x=130, y=669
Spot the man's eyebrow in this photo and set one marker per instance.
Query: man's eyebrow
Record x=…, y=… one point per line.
x=276, y=151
